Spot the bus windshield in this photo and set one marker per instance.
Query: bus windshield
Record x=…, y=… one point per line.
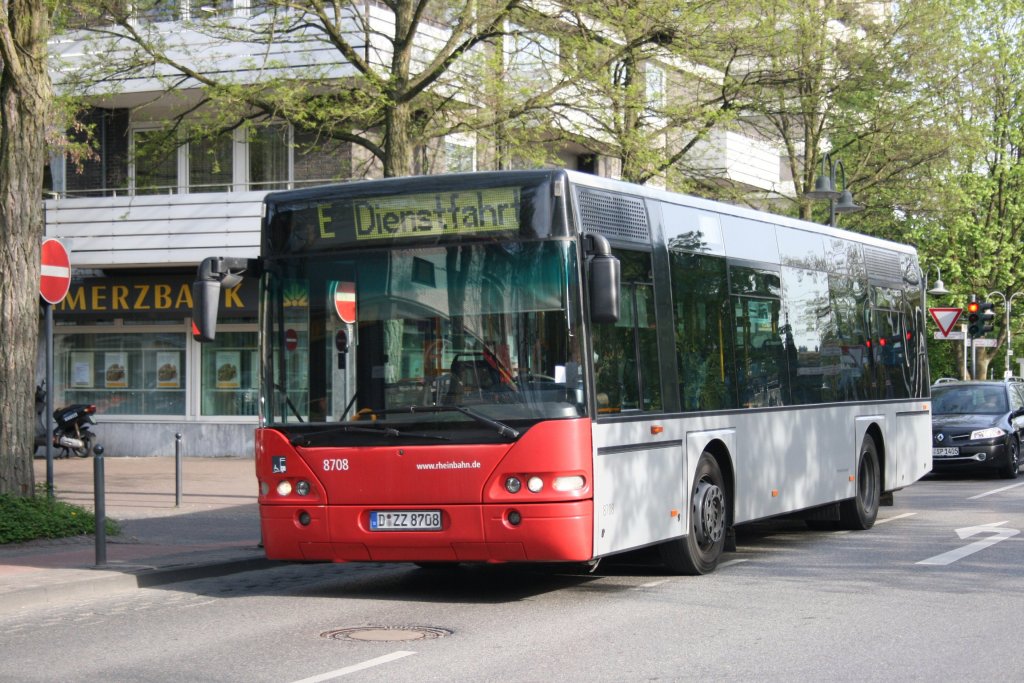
x=451, y=337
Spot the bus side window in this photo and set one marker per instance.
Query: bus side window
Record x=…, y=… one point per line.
x=615, y=361
x=703, y=331
x=626, y=369
x=762, y=375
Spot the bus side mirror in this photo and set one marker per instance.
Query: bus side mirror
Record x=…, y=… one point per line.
x=213, y=272
x=604, y=281
x=604, y=289
x=205, y=303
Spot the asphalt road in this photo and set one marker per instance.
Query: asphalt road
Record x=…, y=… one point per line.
x=933, y=592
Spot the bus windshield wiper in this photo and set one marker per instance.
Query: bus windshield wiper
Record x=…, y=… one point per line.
x=502, y=428
x=305, y=439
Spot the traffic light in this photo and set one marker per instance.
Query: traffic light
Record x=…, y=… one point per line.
x=987, y=316
x=979, y=317
x=973, y=317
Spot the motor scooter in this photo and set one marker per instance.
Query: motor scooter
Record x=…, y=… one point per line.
x=71, y=434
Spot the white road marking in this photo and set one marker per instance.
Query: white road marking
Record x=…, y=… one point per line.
x=966, y=532
x=368, y=664
x=732, y=562
x=994, y=491
x=890, y=519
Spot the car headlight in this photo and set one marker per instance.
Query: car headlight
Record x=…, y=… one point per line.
x=990, y=433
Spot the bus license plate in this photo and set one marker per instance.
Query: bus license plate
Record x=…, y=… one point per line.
x=945, y=452
x=405, y=520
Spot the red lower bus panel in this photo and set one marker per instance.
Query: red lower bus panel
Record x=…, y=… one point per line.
x=547, y=532
x=465, y=483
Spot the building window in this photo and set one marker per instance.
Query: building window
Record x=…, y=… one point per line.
x=154, y=162
x=268, y=156
x=122, y=374
x=229, y=375
x=210, y=164
x=257, y=158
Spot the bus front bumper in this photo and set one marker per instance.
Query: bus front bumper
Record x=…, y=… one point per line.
x=546, y=532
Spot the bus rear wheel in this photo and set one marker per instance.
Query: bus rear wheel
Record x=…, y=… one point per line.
x=859, y=513
x=699, y=551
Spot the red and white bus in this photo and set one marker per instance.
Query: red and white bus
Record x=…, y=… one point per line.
x=547, y=366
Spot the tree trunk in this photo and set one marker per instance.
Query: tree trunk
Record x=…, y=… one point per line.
x=397, y=148
x=25, y=100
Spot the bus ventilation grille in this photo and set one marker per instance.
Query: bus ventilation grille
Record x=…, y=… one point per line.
x=614, y=215
x=883, y=267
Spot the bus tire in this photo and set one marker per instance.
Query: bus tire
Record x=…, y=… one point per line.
x=859, y=512
x=699, y=551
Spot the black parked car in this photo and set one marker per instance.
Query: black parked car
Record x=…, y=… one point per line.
x=977, y=426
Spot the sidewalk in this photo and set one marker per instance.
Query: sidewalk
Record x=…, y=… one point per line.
x=215, y=531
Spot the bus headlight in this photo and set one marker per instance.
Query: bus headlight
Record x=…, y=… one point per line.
x=512, y=484
x=284, y=488
x=572, y=483
x=535, y=484
x=302, y=487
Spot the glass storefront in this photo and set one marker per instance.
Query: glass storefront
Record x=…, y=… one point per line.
x=123, y=374
x=125, y=344
x=128, y=371
x=229, y=374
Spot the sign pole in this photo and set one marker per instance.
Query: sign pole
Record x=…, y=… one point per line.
x=48, y=409
x=963, y=328
x=54, y=281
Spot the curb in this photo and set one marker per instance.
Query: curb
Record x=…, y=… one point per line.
x=123, y=582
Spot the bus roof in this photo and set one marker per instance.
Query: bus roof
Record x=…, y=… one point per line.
x=411, y=184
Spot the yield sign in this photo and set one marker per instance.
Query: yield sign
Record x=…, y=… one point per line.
x=55, y=274
x=345, y=301
x=945, y=318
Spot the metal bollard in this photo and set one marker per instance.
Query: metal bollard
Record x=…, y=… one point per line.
x=177, y=470
x=99, y=499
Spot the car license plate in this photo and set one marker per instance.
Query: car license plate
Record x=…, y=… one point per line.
x=405, y=520
x=944, y=452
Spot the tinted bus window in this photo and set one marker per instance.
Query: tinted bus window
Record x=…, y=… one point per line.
x=703, y=331
x=762, y=378
x=627, y=373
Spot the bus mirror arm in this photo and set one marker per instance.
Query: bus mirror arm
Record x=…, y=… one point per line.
x=604, y=280
x=214, y=272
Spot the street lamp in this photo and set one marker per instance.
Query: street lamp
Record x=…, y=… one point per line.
x=825, y=187
x=940, y=288
x=1009, y=349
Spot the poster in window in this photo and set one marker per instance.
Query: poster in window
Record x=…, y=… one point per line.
x=228, y=375
x=254, y=369
x=81, y=369
x=115, y=373
x=168, y=369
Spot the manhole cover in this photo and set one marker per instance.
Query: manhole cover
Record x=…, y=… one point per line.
x=386, y=633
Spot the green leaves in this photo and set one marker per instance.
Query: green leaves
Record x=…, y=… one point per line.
x=27, y=519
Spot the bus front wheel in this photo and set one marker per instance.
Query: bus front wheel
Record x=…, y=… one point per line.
x=699, y=551
x=859, y=512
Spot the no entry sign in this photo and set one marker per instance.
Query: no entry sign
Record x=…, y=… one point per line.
x=345, y=301
x=55, y=275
